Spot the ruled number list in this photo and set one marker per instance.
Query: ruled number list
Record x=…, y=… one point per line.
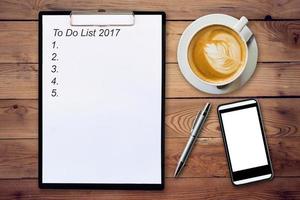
x=54, y=70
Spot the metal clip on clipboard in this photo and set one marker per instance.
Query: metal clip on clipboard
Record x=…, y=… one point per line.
x=102, y=18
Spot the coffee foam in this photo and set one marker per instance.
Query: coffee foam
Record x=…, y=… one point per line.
x=223, y=57
x=217, y=53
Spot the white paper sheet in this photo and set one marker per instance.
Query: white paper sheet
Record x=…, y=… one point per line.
x=104, y=125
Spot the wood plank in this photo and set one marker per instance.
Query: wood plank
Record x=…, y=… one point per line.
x=277, y=40
x=179, y=10
x=19, y=158
x=18, y=42
x=19, y=81
x=208, y=157
x=181, y=188
x=279, y=116
x=269, y=79
x=18, y=118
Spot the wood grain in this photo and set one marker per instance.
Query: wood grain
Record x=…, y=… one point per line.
x=269, y=79
x=278, y=41
x=208, y=158
x=18, y=118
x=182, y=188
x=181, y=10
x=19, y=81
x=18, y=42
x=19, y=158
x=279, y=117
x=276, y=80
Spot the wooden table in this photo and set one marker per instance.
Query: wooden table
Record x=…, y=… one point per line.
x=276, y=84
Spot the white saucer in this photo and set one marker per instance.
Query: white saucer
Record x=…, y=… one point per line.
x=183, y=60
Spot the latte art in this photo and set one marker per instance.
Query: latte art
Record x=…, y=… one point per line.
x=222, y=57
x=216, y=54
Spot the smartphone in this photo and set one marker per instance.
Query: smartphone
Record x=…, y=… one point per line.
x=245, y=142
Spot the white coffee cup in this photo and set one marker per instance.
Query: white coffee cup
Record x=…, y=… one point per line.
x=195, y=27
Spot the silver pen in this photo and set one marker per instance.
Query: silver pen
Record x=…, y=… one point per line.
x=198, y=122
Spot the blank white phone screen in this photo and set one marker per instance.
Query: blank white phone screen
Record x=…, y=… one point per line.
x=244, y=139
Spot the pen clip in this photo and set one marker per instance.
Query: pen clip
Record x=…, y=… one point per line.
x=196, y=119
x=204, y=112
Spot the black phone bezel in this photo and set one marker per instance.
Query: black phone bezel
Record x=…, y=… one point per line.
x=251, y=172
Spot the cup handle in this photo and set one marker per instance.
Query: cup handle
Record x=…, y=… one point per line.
x=239, y=27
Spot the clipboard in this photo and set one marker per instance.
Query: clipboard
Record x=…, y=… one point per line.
x=59, y=161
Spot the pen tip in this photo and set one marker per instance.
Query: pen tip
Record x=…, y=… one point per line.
x=176, y=174
x=178, y=169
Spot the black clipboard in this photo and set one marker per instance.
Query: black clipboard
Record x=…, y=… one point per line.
x=40, y=122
